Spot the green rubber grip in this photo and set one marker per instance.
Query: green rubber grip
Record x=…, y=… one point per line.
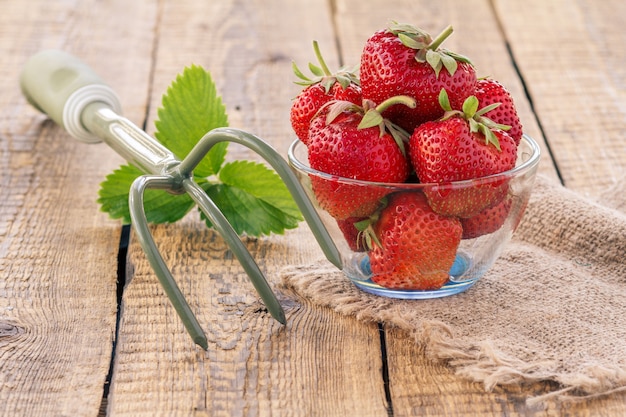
x=61, y=86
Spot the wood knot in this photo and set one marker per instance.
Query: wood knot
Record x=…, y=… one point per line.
x=8, y=329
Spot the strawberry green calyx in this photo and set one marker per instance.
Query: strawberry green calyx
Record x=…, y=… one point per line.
x=323, y=75
x=372, y=113
x=474, y=116
x=428, y=50
x=367, y=234
x=366, y=227
x=372, y=116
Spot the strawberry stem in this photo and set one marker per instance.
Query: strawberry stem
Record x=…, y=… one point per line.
x=406, y=100
x=436, y=43
x=320, y=59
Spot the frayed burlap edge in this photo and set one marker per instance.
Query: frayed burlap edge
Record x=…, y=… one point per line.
x=481, y=362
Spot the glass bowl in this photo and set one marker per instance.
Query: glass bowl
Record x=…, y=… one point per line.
x=498, y=200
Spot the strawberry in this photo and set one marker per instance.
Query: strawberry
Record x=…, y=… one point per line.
x=489, y=91
x=343, y=86
x=463, y=145
x=413, y=247
x=487, y=221
x=404, y=60
x=351, y=233
x=355, y=143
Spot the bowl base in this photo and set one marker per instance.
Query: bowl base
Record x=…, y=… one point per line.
x=451, y=288
x=457, y=283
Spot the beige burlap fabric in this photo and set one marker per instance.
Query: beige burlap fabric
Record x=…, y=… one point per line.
x=552, y=308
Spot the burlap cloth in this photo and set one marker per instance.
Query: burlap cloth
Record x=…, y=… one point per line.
x=552, y=308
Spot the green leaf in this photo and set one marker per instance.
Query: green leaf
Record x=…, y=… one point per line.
x=444, y=101
x=410, y=42
x=487, y=109
x=191, y=108
x=470, y=106
x=399, y=135
x=254, y=199
x=490, y=137
x=457, y=57
x=262, y=182
x=449, y=63
x=159, y=206
x=327, y=83
x=316, y=70
x=474, y=126
x=371, y=118
x=434, y=60
x=113, y=193
x=335, y=108
x=299, y=74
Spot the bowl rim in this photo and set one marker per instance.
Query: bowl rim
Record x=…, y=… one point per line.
x=525, y=166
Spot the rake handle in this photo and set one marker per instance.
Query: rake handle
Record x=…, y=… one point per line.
x=61, y=86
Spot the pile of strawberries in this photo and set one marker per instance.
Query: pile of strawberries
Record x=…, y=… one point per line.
x=415, y=113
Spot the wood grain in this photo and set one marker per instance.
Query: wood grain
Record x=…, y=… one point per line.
x=570, y=54
x=561, y=60
x=58, y=253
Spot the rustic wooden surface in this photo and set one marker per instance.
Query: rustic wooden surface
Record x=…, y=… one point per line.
x=59, y=334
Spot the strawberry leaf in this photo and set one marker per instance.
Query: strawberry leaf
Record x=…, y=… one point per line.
x=343, y=80
x=160, y=206
x=323, y=75
x=251, y=196
x=191, y=107
x=414, y=36
x=327, y=83
x=474, y=126
x=254, y=199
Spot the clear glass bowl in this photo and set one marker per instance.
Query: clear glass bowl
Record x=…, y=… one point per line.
x=478, y=249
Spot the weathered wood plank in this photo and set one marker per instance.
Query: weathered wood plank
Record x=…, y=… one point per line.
x=320, y=363
x=58, y=253
x=571, y=55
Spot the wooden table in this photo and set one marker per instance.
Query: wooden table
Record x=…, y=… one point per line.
x=81, y=336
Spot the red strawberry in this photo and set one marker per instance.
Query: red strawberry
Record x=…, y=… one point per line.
x=487, y=221
x=404, y=60
x=414, y=247
x=355, y=143
x=354, y=237
x=462, y=146
x=489, y=91
x=343, y=86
